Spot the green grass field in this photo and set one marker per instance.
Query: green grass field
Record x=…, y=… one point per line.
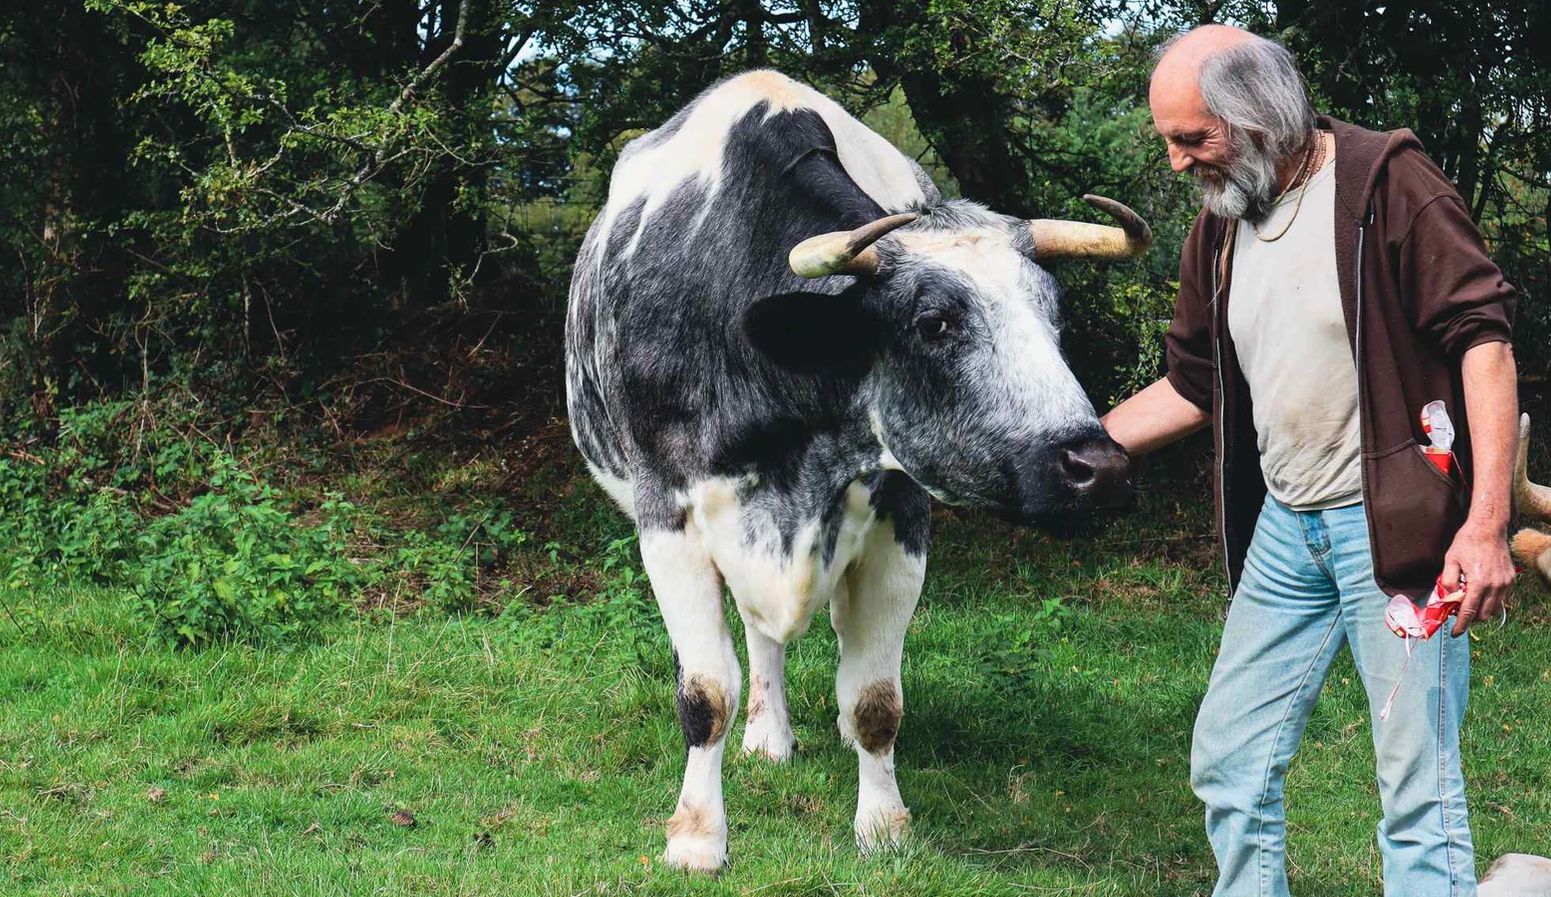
x=1050, y=689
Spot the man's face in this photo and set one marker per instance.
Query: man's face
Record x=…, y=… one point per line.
x=1237, y=177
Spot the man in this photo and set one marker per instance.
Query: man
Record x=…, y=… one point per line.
x=1332, y=286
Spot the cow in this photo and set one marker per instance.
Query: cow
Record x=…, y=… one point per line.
x=781, y=343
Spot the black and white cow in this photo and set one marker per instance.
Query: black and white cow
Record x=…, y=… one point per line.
x=781, y=340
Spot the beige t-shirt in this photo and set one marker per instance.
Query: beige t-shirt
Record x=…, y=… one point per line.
x=1286, y=322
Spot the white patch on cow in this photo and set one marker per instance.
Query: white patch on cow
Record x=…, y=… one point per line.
x=618, y=488
x=697, y=830
x=777, y=590
x=870, y=619
x=886, y=459
x=767, y=728
x=650, y=168
x=1032, y=380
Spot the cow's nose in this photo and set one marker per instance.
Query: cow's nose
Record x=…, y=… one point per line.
x=1097, y=471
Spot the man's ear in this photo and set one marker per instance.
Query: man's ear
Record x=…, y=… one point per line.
x=814, y=333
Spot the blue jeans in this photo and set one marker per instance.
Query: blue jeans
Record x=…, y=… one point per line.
x=1306, y=591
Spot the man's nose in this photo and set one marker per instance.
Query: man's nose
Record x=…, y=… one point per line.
x=1179, y=160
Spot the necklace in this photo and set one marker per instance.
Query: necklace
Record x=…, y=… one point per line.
x=1312, y=160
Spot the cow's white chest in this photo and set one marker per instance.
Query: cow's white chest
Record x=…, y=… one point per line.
x=777, y=587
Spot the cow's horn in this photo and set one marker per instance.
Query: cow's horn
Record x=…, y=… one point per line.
x=1532, y=499
x=1055, y=238
x=844, y=251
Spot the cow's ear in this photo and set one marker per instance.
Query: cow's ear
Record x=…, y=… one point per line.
x=814, y=332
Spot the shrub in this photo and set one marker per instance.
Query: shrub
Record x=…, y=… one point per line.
x=237, y=564
x=620, y=619
x=57, y=533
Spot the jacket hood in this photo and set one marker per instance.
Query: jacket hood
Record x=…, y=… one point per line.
x=1361, y=155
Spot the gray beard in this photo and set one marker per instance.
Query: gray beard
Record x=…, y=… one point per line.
x=1245, y=187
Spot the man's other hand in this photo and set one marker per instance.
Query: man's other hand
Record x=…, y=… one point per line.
x=1480, y=555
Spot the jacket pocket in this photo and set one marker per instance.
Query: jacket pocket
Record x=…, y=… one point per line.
x=1414, y=511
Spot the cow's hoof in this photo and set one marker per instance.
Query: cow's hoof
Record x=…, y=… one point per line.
x=697, y=853
x=769, y=742
x=882, y=829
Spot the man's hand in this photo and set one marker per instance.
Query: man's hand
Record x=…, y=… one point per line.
x=1479, y=557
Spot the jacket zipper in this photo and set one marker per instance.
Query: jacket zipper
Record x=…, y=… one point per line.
x=1362, y=381
x=1221, y=438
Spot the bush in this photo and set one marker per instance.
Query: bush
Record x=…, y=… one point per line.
x=620, y=617
x=451, y=560
x=117, y=493
x=237, y=564
x=57, y=533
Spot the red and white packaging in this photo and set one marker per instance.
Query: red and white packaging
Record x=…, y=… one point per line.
x=1440, y=432
x=1402, y=615
x=1406, y=620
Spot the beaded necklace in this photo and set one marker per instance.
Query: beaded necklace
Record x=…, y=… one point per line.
x=1312, y=160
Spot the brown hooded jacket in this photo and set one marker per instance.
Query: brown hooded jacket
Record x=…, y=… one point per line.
x=1418, y=289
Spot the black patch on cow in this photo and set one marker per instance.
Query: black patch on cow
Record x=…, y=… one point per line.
x=657, y=507
x=897, y=499
x=702, y=707
x=831, y=523
x=814, y=333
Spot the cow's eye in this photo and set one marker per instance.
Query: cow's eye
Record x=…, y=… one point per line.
x=933, y=325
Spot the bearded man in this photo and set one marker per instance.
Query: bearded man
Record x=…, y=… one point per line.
x=1332, y=286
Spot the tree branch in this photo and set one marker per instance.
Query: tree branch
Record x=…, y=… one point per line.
x=438, y=62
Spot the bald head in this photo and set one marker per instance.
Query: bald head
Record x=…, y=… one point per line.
x=1175, y=88
x=1180, y=65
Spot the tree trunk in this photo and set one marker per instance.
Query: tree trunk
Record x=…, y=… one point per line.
x=963, y=117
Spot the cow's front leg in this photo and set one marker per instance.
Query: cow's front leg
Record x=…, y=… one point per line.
x=767, y=730
x=871, y=621
x=689, y=593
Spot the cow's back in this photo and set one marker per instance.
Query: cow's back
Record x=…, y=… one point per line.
x=700, y=215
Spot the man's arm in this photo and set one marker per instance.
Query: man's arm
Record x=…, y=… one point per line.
x=1155, y=417
x=1480, y=548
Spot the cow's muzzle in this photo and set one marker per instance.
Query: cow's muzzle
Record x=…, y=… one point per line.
x=1062, y=486
x=1095, y=471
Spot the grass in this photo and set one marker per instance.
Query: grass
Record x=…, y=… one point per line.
x=1050, y=691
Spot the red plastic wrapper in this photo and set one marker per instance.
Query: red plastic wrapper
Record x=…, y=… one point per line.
x=1406, y=620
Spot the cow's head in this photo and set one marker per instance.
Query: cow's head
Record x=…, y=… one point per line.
x=965, y=383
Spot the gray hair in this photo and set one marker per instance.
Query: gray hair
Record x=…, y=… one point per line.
x=1255, y=87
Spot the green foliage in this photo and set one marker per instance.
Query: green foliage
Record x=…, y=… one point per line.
x=212, y=547
x=1023, y=644
x=55, y=536
x=452, y=559
x=620, y=612
x=237, y=564
x=274, y=194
